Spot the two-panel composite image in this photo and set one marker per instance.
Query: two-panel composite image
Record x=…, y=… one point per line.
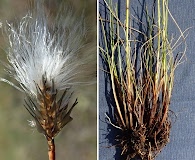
x=97, y=80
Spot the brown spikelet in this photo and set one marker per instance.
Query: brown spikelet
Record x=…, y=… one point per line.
x=50, y=114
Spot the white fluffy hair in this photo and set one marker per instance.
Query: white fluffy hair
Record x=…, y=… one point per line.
x=42, y=46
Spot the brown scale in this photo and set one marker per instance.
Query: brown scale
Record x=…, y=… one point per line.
x=49, y=113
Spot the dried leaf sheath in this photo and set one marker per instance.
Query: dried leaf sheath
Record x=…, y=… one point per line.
x=146, y=137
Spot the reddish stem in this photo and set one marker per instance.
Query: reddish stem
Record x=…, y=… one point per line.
x=51, y=148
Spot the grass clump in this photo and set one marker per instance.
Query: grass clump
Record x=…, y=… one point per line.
x=141, y=64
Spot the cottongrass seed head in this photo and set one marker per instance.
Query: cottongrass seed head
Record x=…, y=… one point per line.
x=44, y=59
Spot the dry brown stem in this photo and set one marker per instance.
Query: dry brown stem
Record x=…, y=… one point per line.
x=51, y=149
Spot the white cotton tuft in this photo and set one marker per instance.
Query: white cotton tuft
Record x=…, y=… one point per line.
x=40, y=46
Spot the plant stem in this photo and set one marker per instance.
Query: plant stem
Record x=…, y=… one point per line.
x=128, y=61
x=51, y=148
